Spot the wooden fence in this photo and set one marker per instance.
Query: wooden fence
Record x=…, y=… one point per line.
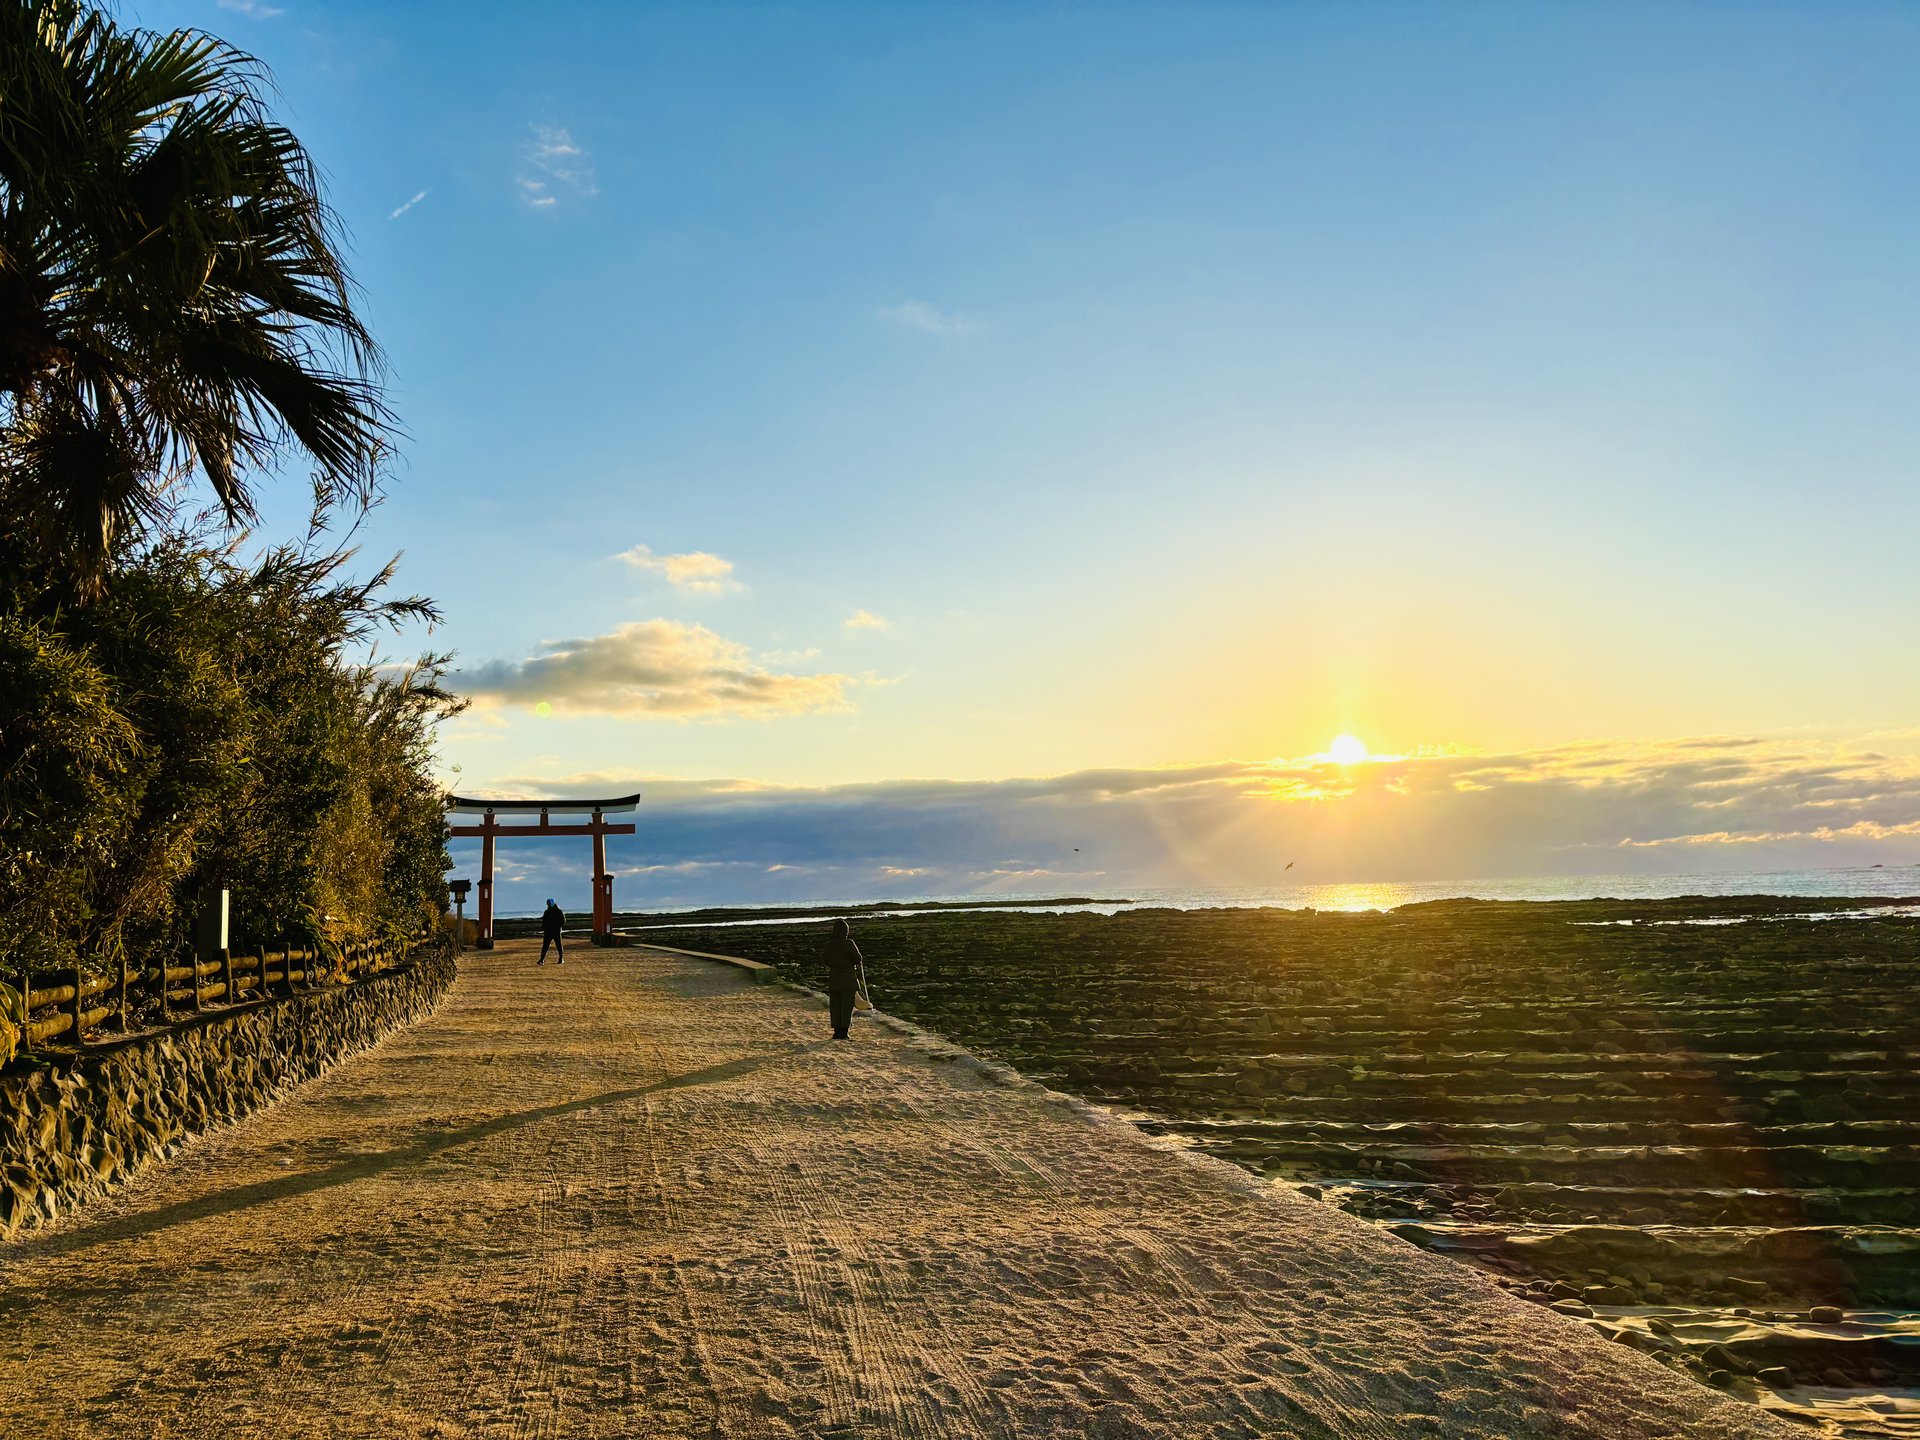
x=74, y=1003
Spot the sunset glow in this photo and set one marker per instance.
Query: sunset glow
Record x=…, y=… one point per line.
x=1287, y=540
x=1347, y=750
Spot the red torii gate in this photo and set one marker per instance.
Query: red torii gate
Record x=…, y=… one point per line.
x=489, y=829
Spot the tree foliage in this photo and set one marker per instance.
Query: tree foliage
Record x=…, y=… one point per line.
x=171, y=294
x=212, y=721
x=176, y=717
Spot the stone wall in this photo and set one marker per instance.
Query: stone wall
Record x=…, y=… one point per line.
x=73, y=1129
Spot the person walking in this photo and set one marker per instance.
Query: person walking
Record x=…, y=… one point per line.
x=844, y=975
x=551, y=919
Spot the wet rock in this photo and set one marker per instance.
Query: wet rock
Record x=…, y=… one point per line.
x=1826, y=1315
x=1718, y=1357
x=1829, y=1109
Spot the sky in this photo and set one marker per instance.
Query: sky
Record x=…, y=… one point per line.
x=998, y=447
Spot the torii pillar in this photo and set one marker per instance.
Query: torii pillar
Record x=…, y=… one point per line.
x=602, y=881
x=484, y=916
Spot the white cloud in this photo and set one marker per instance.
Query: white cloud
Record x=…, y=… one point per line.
x=252, y=9
x=867, y=620
x=400, y=210
x=555, y=165
x=658, y=668
x=695, y=571
x=918, y=315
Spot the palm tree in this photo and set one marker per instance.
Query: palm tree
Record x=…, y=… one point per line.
x=172, y=298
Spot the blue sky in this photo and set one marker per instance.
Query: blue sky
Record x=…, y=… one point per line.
x=1167, y=386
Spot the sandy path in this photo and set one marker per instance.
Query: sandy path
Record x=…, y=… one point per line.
x=635, y=1196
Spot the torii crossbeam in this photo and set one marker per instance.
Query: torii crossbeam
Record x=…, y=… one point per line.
x=490, y=829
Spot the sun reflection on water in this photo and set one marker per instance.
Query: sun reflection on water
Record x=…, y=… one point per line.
x=1359, y=897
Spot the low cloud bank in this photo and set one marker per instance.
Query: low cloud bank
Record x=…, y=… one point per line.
x=1600, y=808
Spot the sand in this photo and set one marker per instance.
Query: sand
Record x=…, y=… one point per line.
x=636, y=1196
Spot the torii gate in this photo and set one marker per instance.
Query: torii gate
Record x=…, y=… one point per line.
x=488, y=829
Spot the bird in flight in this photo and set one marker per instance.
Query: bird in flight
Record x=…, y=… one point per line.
x=1286, y=867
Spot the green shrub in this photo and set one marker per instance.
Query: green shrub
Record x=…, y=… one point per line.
x=211, y=722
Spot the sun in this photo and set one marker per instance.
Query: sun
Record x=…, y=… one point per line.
x=1347, y=750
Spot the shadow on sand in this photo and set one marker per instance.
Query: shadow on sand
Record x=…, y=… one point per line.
x=359, y=1167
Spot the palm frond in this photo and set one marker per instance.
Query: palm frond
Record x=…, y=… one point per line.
x=171, y=282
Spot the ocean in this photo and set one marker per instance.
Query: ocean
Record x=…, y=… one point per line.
x=1875, y=882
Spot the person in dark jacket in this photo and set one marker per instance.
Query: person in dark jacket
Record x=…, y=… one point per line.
x=551, y=919
x=843, y=977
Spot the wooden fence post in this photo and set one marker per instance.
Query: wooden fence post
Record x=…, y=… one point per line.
x=120, y=996
x=193, y=966
x=226, y=974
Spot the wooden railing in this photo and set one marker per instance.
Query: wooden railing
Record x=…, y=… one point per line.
x=66, y=1005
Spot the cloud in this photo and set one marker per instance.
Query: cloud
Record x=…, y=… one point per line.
x=554, y=165
x=696, y=571
x=1720, y=804
x=867, y=620
x=252, y=9
x=657, y=668
x=918, y=315
x=400, y=210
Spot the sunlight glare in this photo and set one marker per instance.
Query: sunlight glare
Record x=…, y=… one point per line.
x=1347, y=750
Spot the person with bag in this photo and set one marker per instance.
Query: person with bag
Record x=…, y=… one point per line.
x=846, y=978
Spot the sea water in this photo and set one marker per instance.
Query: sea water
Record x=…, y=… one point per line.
x=1875, y=882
